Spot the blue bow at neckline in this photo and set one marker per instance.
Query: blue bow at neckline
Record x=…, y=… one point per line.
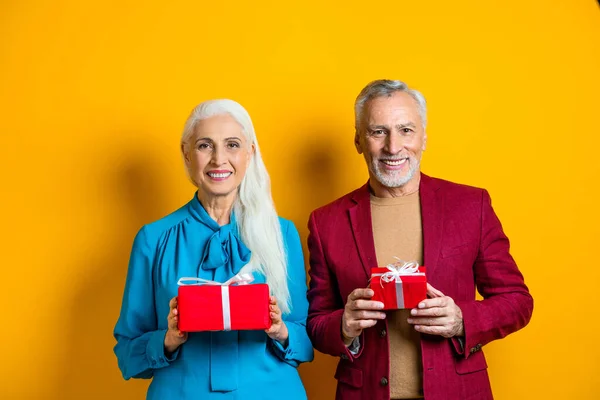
x=225, y=248
x=224, y=253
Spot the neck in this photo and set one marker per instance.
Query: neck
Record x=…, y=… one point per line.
x=218, y=207
x=408, y=188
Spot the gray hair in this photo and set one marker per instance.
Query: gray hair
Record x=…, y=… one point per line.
x=257, y=220
x=387, y=87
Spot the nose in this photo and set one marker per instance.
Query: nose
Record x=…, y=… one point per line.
x=218, y=156
x=393, y=143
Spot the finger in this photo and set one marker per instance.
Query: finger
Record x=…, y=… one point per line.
x=174, y=313
x=363, y=314
x=176, y=329
x=435, y=302
x=433, y=292
x=275, y=318
x=273, y=329
x=366, y=305
x=430, y=312
x=173, y=303
x=272, y=300
x=363, y=324
x=173, y=323
x=179, y=335
x=431, y=330
x=429, y=321
x=274, y=308
x=365, y=293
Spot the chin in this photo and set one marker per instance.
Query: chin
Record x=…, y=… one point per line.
x=222, y=193
x=213, y=191
x=393, y=181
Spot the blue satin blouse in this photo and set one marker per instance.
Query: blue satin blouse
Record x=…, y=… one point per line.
x=210, y=365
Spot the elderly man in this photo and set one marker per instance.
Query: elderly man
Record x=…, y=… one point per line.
x=435, y=350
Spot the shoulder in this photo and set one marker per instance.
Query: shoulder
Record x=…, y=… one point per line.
x=453, y=189
x=338, y=206
x=152, y=232
x=291, y=239
x=287, y=228
x=457, y=198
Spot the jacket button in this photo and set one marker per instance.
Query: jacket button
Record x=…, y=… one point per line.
x=382, y=333
x=344, y=357
x=383, y=381
x=476, y=348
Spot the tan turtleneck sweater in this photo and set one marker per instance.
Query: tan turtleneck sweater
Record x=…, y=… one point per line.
x=398, y=232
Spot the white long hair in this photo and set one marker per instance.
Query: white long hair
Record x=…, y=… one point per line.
x=257, y=221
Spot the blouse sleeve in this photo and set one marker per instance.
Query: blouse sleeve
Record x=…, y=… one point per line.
x=140, y=344
x=299, y=347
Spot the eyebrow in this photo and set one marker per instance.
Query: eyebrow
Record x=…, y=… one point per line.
x=406, y=125
x=376, y=127
x=385, y=127
x=226, y=139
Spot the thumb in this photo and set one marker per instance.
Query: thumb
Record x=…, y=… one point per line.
x=433, y=292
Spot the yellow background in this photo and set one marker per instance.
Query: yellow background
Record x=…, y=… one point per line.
x=93, y=97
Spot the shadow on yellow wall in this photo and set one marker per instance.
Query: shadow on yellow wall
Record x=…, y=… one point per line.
x=139, y=194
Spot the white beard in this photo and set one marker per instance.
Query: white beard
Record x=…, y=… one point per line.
x=394, y=179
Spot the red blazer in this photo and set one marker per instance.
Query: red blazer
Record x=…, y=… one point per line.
x=464, y=247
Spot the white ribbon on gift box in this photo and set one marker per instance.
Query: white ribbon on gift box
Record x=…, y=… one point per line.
x=394, y=274
x=239, y=279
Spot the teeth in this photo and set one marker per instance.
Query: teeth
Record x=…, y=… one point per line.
x=221, y=175
x=394, y=162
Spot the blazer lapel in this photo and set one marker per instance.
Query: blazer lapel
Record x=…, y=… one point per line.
x=362, y=228
x=431, y=215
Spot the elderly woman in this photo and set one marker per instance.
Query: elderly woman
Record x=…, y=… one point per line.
x=229, y=226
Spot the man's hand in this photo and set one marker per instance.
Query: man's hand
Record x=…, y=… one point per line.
x=438, y=315
x=360, y=313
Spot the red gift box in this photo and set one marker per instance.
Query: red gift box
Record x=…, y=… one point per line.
x=399, y=285
x=210, y=306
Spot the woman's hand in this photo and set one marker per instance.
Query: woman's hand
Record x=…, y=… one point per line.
x=278, y=331
x=174, y=337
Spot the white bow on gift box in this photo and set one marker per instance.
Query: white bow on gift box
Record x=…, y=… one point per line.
x=398, y=269
x=396, y=273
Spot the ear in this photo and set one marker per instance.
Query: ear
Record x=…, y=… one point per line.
x=357, y=142
x=252, y=153
x=424, y=142
x=186, y=157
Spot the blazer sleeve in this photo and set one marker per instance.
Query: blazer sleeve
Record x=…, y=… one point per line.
x=325, y=305
x=507, y=305
x=299, y=349
x=140, y=344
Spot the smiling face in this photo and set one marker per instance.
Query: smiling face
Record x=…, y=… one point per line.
x=217, y=156
x=392, y=138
